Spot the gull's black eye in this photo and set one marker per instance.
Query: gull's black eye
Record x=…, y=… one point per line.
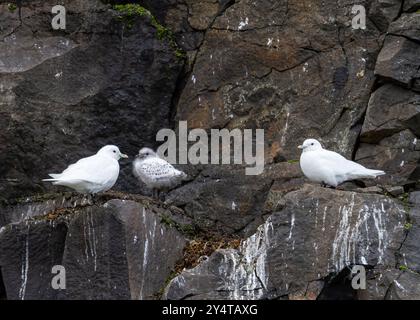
x=115, y=151
x=312, y=144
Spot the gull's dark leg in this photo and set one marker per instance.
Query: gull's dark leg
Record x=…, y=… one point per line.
x=324, y=185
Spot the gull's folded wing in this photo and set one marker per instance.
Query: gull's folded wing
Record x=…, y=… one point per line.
x=93, y=169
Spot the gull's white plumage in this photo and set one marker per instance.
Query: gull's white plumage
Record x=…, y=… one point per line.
x=155, y=172
x=93, y=174
x=328, y=167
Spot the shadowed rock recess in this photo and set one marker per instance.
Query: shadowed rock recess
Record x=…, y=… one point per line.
x=296, y=69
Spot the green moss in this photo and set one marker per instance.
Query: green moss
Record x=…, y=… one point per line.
x=292, y=161
x=180, y=54
x=158, y=295
x=403, y=268
x=12, y=7
x=166, y=220
x=408, y=226
x=128, y=14
x=130, y=11
x=404, y=198
x=186, y=229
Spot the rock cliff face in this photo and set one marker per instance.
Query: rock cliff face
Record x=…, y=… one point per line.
x=64, y=93
x=297, y=252
x=113, y=249
x=296, y=69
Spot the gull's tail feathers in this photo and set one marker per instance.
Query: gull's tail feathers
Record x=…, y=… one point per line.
x=54, y=177
x=184, y=176
x=375, y=173
x=366, y=173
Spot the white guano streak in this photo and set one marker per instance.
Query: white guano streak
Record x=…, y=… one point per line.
x=347, y=248
x=25, y=267
x=246, y=270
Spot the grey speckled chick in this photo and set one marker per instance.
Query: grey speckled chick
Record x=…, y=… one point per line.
x=155, y=172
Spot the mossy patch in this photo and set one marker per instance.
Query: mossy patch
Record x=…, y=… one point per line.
x=408, y=226
x=129, y=13
x=187, y=230
x=12, y=7
x=293, y=161
x=403, y=268
x=404, y=198
x=158, y=295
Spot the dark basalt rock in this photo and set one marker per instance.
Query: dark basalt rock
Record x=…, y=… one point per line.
x=383, y=13
x=319, y=233
x=409, y=253
x=391, y=284
x=398, y=61
x=223, y=200
x=256, y=69
x=65, y=94
x=391, y=109
x=408, y=25
x=294, y=68
x=398, y=155
x=28, y=251
x=120, y=249
x=411, y=5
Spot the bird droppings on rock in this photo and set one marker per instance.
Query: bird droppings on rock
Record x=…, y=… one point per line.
x=115, y=76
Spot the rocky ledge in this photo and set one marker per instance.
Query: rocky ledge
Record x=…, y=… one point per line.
x=296, y=69
x=118, y=248
x=306, y=251
x=130, y=247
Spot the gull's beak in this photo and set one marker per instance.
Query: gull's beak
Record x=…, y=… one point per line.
x=122, y=155
x=300, y=147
